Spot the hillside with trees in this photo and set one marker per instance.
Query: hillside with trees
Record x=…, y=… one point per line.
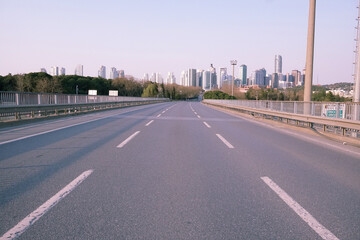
x=346, y=86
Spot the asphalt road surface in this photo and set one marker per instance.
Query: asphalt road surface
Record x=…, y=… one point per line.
x=177, y=170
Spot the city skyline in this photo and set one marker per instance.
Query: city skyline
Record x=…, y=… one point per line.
x=150, y=42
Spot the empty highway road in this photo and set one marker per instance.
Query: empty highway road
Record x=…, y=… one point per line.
x=176, y=170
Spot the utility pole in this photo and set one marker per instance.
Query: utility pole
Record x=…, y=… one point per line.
x=309, y=57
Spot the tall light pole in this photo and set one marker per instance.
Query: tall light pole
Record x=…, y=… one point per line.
x=233, y=63
x=356, y=97
x=309, y=57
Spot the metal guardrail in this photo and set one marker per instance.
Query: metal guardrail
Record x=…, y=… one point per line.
x=342, y=126
x=19, y=105
x=350, y=111
x=24, y=98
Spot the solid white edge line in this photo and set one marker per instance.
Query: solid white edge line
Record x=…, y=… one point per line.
x=30, y=219
x=127, y=140
x=206, y=124
x=149, y=123
x=224, y=141
x=299, y=210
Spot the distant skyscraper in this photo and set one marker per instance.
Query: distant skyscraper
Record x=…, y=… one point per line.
x=290, y=80
x=153, y=77
x=278, y=64
x=297, y=77
x=102, y=72
x=146, y=77
x=192, y=77
x=43, y=70
x=121, y=73
x=62, y=71
x=275, y=80
x=79, y=70
x=199, y=77
x=206, y=80
x=213, y=77
x=113, y=73
x=258, y=77
x=158, y=78
x=243, y=75
x=223, y=77
x=54, y=71
x=170, y=78
x=183, y=78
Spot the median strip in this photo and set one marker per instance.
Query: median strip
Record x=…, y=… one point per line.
x=299, y=210
x=30, y=219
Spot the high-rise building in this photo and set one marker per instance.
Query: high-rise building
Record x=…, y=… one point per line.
x=79, y=70
x=158, y=78
x=113, y=73
x=258, y=77
x=267, y=80
x=146, y=77
x=275, y=80
x=213, y=77
x=206, y=80
x=297, y=77
x=199, y=77
x=183, y=78
x=102, y=72
x=62, y=71
x=192, y=77
x=121, y=73
x=54, y=71
x=43, y=70
x=278, y=64
x=153, y=77
x=223, y=77
x=170, y=79
x=243, y=75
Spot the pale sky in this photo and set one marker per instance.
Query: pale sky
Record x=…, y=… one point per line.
x=144, y=36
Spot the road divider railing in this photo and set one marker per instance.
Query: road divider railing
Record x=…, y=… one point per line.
x=26, y=99
x=325, y=122
x=18, y=105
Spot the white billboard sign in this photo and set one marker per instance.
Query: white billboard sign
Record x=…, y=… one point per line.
x=113, y=93
x=92, y=92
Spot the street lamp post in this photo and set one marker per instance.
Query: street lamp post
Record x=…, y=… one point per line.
x=233, y=63
x=309, y=57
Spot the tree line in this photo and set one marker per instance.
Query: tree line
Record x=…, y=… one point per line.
x=71, y=84
x=290, y=94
